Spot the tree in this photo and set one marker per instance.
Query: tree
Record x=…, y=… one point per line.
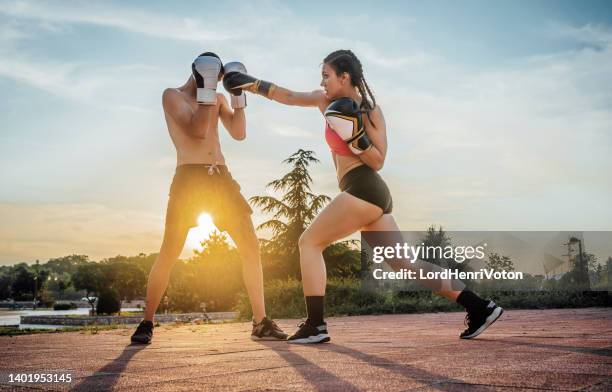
x=6, y=285
x=40, y=280
x=89, y=277
x=62, y=285
x=293, y=212
x=343, y=259
x=577, y=278
x=592, y=262
x=28, y=282
x=125, y=279
x=108, y=301
x=23, y=283
x=213, y=275
x=143, y=261
x=66, y=264
x=500, y=263
x=435, y=238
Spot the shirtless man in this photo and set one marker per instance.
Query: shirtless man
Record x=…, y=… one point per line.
x=201, y=183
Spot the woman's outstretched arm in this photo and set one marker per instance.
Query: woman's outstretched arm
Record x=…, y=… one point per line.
x=236, y=81
x=314, y=98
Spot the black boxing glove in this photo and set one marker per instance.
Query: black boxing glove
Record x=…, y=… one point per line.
x=238, y=96
x=344, y=117
x=236, y=81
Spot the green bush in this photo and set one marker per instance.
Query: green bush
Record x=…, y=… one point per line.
x=548, y=299
x=108, y=302
x=64, y=306
x=285, y=299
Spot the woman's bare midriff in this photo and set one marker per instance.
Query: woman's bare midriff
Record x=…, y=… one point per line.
x=345, y=164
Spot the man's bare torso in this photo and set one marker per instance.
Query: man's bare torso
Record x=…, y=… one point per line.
x=191, y=149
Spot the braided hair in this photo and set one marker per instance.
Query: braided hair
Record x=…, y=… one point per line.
x=344, y=60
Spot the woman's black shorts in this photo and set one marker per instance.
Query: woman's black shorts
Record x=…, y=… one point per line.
x=366, y=184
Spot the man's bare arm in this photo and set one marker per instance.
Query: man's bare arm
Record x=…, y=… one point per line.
x=197, y=123
x=233, y=120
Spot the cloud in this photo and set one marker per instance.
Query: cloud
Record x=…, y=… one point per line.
x=87, y=83
x=291, y=131
x=504, y=146
x=128, y=19
x=10, y=32
x=596, y=36
x=44, y=230
x=258, y=42
x=460, y=135
x=51, y=77
x=165, y=162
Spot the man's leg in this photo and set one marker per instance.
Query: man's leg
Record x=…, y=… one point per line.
x=243, y=234
x=172, y=245
x=174, y=240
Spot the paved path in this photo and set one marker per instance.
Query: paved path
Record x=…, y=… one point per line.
x=568, y=349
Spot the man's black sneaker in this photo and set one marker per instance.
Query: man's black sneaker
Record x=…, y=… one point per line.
x=144, y=332
x=310, y=334
x=479, y=320
x=267, y=329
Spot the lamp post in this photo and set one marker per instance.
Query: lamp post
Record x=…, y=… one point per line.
x=35, y=291
x=582, y=267
x=36, y=277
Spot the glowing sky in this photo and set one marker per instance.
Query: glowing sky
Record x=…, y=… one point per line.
x=499, y=114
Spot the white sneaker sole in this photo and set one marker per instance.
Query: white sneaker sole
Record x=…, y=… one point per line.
x=490, y=320
x=321, y=338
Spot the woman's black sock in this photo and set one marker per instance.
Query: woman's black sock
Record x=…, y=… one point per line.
x=471, y=301
x=314, y=308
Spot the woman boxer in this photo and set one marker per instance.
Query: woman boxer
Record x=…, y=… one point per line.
x=355, y=131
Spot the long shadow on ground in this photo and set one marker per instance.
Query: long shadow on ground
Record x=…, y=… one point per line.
x=321, y=379
x=106, y=377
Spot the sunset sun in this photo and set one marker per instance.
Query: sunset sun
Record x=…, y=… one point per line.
x=201, y=232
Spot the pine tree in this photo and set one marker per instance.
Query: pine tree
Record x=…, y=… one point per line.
x=292, y=214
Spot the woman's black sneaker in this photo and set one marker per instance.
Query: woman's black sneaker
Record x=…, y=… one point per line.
x=310, y=334
x=144, y=332
x=479, y=320
x=267, y=329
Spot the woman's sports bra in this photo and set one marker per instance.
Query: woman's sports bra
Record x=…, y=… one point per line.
x=335, y=143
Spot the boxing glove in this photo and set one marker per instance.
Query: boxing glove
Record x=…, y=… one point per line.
x=206, y=69
x=238, y=96
x=239, y=80
x=344, y=117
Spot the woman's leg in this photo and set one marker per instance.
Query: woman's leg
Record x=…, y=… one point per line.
x=481, y=313
x=446, y=287
x=340, y=218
